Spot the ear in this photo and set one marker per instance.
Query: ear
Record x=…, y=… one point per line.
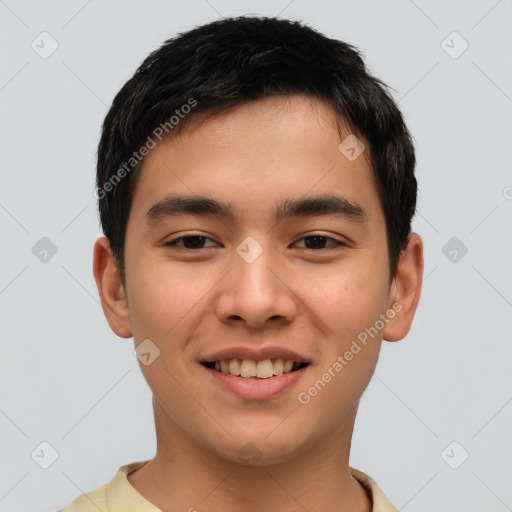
x=405, y=290
x=110, y=288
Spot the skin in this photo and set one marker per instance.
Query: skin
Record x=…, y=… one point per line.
x=312, y=301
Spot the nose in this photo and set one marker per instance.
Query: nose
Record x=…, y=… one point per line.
x=256, y=293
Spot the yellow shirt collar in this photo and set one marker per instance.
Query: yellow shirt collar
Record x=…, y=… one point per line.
x=123, y=497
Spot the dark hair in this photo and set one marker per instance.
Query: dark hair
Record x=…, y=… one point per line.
x=236, y=60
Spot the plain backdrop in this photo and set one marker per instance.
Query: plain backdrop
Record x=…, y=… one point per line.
x=434, y=425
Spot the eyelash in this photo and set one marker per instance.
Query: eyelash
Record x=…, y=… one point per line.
x=174, y=243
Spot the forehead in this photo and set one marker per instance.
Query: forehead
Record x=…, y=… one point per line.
x=255, y=155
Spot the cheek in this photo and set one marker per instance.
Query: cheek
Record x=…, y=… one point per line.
x=350, y=305
x=347, y=299
x=163, y=298
x=165, y=305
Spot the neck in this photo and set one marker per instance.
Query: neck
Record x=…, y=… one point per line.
x=184, y=475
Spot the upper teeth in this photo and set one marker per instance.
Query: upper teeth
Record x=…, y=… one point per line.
x=261, y=369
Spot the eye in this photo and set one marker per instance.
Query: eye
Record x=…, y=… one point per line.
x=313, y=242
x=319, y=241
x=189, y=242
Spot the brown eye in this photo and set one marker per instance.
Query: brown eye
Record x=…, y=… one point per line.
x=189, y=242
x=319, y=242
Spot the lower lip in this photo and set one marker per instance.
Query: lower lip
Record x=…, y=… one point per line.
x=257, y=389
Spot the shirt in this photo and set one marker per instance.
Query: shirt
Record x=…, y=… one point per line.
x=120, y=496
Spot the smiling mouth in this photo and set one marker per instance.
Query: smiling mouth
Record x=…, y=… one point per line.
x=249, y=369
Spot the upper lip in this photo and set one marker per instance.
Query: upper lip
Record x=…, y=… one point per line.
x=252, y=354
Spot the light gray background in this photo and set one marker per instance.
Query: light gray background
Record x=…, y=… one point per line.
x=68, y=380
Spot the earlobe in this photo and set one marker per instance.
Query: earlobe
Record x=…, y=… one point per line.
x=405, y=290
x=110, y=288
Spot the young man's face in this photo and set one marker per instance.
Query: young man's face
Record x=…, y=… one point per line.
x=255, y=282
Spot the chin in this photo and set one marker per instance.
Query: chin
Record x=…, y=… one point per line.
x=261, y=449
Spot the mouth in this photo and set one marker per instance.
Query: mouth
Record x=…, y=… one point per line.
x=250, y=369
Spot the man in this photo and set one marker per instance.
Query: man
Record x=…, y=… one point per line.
x=256, y=188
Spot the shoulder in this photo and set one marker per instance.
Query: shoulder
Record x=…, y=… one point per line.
x=92, y=501
x=116, y=496
x=380, y=503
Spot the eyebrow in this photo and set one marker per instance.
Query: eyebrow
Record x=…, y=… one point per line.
x=310, y=206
